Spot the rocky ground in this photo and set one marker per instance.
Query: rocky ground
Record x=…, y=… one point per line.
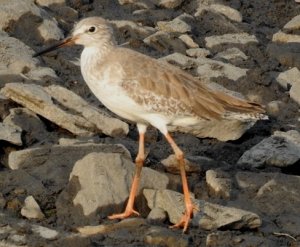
x=66, y=161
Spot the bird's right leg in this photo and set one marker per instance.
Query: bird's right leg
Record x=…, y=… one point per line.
x=139, y=162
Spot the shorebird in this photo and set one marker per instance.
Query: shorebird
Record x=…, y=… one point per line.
x=149, y=92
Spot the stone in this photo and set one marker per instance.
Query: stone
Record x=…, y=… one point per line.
x=58, y=154
x=285, y=53
x=2, y=201
x=156, y=216
x=98, y=189
x=48, y=3
x=197, y=52
x=218, y=183
x=17, y=239
x=169, y=4
x=281, y=37
x=293, y=24
x=45, y=232
x=270, y=193
x=171, y=165
x=10, y=134
x=287, y=78
x=209, y=217
x=188, y=41
x=31, y=210
x=165, y=42
x=27, y=121
x=230, y=38
x=232, y=55
x=132, y=29
x=159, y=236
x=295, y=91
x=80, y=119
x=17, y=63
x=274, y=108
x=177, y=25
x=26, y=19
x=282, y=149
x=230, y=13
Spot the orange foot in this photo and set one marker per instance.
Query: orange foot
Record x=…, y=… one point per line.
x=126, y=214
x=184, y=221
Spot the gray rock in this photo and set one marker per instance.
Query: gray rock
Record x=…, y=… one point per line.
x=169, y=4
x=165, y=42
x=282, y=149
x=31, y=209
x=197, y=52
x=295, y=91
x=218, y=183
x=274, y=108
x=26, y=120
x=230, y=13
x=17, y=239
x=100, y=184
x=157, y=215
x=232, y=55
x=10, y=134
x=281, y=37
x=211, y=216
x=177, y=25
x=2, y=201
x=17, y=63
x=67, y=154
x=80, y=119
x=273, y=194
x=45, y=232
x=188, y=41
x=32, y=17
x=293, y=24
x=171, y=165
x=230, y=38
x=285, y=53
x=287, y=78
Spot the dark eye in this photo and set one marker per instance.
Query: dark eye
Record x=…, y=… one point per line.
x=92, y=29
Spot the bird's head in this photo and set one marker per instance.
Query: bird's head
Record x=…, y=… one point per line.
x=92, y=31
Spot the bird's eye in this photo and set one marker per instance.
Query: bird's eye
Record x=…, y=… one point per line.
x=92, y=29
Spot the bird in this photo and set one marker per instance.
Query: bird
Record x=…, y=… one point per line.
x=148, y=91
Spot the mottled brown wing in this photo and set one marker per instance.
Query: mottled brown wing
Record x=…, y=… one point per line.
x=169, y=82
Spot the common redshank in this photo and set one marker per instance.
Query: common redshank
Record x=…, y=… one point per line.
x=149, y=92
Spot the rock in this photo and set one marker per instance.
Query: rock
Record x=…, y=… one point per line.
x=281, y=37
x=230, y=13
x=295, y=91
x=197, y=52
x=17, y=63
x=207, y=68
x=165, y=42
x=293, y=24
x=218, y=183
x=171, y=165
x=282, y=149
x=58, y=154
x=31, y=210
x=80, y=119
x=18, y=239
x=48, y=3
x=159, y=236
x=83, y=197
x=28, y=22
x=269, y=192
x=188, y=41
x=211, y=216
x=177, y=25
x=24, y=119
x=232, y=55
x=45, y=232
x=169, y=4
x=274, y=108
x=156, y=216
x=132, y=29
x=10, y=134
x=230, y=38
x=2, y=201
x=287, y=78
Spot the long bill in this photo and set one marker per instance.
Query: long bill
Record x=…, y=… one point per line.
x=65, y=42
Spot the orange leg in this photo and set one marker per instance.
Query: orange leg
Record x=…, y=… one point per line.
x=184, y=221
x=139, y=161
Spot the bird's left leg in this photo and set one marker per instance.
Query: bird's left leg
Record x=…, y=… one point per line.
x=139, y=161
x=189, y=206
